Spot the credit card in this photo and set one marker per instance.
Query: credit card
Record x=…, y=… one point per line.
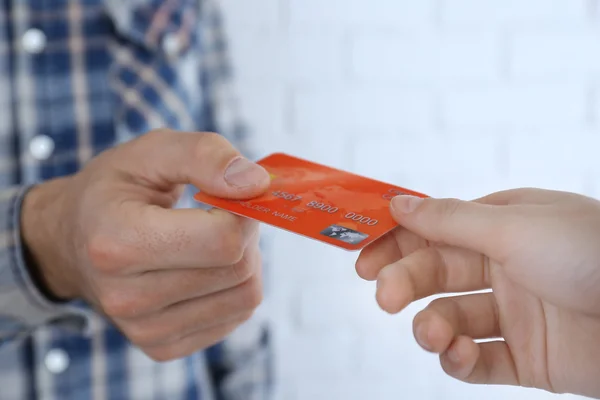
x=319, y=202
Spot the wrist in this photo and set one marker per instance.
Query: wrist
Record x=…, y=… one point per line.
x=40, y=234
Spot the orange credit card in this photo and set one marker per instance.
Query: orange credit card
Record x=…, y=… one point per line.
x=319, y=202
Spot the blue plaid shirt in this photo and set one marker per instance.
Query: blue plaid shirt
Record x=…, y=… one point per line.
x=77, y=77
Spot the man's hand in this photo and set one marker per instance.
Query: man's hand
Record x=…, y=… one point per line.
x=173, y=280
x=539, y=252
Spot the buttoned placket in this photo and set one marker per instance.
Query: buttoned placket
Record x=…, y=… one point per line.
x=36, y=147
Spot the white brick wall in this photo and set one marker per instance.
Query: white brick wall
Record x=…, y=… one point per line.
x=383, y=57
x=525, y=13
x=450, y=97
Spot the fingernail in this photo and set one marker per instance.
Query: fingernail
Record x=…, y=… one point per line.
x=406, y=203
x=422, y=336
x=453, y=355
x=242, y=172
x=380, y=294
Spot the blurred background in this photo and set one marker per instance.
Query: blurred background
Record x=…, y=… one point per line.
x=448, y=97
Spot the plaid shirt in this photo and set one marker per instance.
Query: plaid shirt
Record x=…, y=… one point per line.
x=77, y=77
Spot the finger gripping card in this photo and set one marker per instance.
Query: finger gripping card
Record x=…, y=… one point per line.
x=323, y=203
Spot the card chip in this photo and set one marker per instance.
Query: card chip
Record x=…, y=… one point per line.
x=344, y=234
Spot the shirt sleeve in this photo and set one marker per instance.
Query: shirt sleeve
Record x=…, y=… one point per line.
x=22, y=306
x=241, y=364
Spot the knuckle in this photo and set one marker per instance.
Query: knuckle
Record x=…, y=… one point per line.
x=211, y=138
x=107, y=254
x=443, y=306
x=142, y=337
x=229, y=243
x=145, y=334
x=251, y=296
x=207, y=144
x=156, y=134
x=444, y=215
x=117, y=304
x=243, y=270
x=450, y=207
x=160, y=354
x=173, y=351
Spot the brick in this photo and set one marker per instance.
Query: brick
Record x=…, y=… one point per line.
x=555, y=55
x=329, y=304
x=330, y=149
x=284, y=389
x=316, y=55
x=316, y=11
x=401, y=386
x=263, y=108
x=545, y=159
x=490, y=12
x=594, y=98
x=373, y=111
x=535, y=105
x=350, y=306
x=258, y=54
x=255, y=13
x=297, y=262
x=303, y=355
x=458, y=390
x=303, y=260
x=396, y=13
x=432, y=165
x=361, y=389
x=394, y=344
x=426, y=59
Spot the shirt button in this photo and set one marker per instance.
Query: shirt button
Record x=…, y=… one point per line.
x=57, y=361
x=34, y=41
x=41, y=147
x=171, y=45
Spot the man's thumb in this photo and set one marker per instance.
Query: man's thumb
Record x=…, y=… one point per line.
x=205, y=160
x=474, y=226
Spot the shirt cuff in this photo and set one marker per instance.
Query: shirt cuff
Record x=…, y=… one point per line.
x=23, y=307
